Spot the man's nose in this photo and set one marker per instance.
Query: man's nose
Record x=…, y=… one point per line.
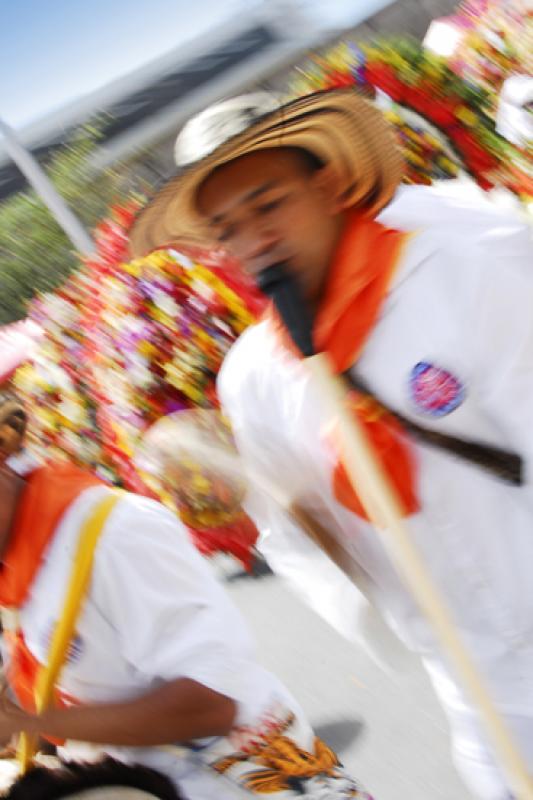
x=259, y=242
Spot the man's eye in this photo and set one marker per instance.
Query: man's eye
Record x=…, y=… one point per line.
x=226, y=234
x=266, y=208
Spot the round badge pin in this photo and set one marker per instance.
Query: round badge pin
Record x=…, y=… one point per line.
x=434, y=390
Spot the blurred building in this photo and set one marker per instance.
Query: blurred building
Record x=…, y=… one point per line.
x=257, y=45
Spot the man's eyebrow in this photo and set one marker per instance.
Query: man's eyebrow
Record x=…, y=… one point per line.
x=257, y=192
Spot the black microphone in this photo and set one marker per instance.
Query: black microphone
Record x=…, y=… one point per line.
x=285, y=292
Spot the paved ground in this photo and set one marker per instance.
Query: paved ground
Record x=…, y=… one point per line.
x=389, y=731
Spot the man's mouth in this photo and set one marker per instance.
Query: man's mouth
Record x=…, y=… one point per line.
x=266, y=260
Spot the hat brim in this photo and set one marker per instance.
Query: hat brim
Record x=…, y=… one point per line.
x=340, y=127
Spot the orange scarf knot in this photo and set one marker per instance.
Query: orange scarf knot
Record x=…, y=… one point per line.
x=358, y=283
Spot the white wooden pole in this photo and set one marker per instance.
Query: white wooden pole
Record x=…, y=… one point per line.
x=383, y=507
x=47, y=192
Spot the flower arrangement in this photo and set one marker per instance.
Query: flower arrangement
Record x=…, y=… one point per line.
x=126, y=343
x=497, y=43
x=415, y=79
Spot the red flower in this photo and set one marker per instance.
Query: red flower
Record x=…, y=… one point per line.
x=418, y=99
x=125, y=215
x=384, y=78
x=473, y=151
x=339, y=80
x=485, y=184
x=442, y=112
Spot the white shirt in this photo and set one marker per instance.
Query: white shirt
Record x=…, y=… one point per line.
x=153, y=613
x=462, y=305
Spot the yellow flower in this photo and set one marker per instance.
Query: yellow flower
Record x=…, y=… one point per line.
x=394, y=117
x=157, y=259
x=133, y=268
x=201, y=335
x=146, y=349
x=415, y=159
x=466, y=116
x=46, y=418
x=200, y=483
x=447, y=164
x=432, y=72
x=433, y=141
x=412, y=135
x=162, y=317
x=192, y=393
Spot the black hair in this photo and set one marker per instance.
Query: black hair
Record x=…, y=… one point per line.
x=71, y=778
x=310, y=161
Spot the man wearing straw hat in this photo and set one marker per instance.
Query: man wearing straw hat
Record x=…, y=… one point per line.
x=120, y=642
x=422, y=299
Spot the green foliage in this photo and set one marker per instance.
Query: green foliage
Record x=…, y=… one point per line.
x=35, y=253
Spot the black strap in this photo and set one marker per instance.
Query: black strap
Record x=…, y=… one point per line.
x=504, y=464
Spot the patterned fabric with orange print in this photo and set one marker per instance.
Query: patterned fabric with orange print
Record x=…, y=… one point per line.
x=274, y=764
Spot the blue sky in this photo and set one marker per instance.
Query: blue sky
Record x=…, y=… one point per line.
x=52, y=51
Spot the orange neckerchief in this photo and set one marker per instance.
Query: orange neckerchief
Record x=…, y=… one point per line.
x=48, y=493
x=358, y=282
x=22, y=671
x=363, y=267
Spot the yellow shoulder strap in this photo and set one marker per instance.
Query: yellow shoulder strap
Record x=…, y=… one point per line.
x=76, y=590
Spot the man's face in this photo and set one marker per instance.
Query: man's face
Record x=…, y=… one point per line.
x=11, y=486
x=11, y=438
x=270, y=207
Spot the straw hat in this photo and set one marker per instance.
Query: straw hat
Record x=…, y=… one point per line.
x=341, y=128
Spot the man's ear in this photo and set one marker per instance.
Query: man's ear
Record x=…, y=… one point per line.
x=329, y=185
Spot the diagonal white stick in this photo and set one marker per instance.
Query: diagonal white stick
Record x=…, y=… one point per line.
x=383, y=507
x=46, y=190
